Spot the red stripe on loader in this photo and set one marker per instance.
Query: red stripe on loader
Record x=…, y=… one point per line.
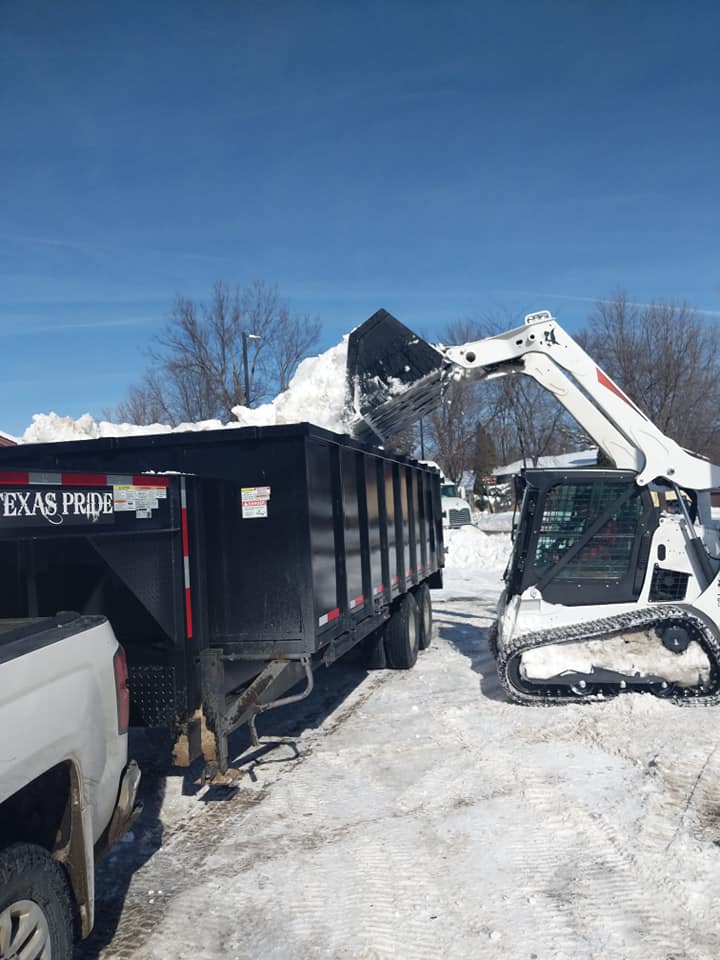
x=605, y=381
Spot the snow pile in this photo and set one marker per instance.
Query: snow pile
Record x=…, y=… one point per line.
x=316, y=394
x=643, y=656
x=496, y=522
x=470, y=547
x=50, y=427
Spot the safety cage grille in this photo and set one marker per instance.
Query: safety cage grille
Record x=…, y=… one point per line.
x=570, y=510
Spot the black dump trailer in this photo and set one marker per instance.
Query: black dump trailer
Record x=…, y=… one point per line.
x=230, y=563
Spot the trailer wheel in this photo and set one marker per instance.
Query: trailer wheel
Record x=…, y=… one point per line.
x=402, y=634
x=35, y=906
x=422, y=597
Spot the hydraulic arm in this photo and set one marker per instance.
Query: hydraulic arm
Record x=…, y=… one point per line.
x=395, y=377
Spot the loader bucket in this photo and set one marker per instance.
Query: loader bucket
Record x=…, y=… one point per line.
x=394, y=377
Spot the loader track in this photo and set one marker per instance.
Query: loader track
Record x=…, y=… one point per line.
x=584, y=688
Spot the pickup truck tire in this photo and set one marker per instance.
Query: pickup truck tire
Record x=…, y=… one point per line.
x=35, y=905
x=424, y=602
x=402, y=634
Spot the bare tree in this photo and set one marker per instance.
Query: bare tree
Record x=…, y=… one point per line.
x=527, y=422
x=197, y=364
x=451, y=428
x=523, y=421
x=667, y=359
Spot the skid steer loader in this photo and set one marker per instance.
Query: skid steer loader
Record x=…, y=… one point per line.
x=613, y=581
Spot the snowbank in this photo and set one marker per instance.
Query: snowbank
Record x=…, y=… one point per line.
x=474, y=563
x=316, y=394
x=470, y=547
x=495, y=522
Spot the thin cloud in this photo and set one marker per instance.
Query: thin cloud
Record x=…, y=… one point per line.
x=705, y=311
x=24, y=331
x=85, y=246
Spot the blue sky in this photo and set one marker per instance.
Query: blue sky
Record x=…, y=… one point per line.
x=438, y=159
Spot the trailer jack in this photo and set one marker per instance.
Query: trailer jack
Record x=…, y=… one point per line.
x=283, y=701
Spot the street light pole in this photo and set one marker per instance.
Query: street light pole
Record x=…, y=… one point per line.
x=245, y=337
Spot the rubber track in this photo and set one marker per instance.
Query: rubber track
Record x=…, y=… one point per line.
x=635, y=620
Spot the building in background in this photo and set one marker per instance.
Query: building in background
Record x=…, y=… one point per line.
x=6, y=440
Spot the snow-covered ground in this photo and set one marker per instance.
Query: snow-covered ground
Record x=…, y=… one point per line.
x=420, y=815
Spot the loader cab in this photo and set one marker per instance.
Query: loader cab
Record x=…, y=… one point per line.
x=583, y=536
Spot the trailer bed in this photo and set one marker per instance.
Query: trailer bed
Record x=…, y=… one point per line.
x=218, y=557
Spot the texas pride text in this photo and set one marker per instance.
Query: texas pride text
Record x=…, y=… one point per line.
x=56, y=506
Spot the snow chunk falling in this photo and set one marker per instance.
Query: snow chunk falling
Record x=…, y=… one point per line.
x=316, y=394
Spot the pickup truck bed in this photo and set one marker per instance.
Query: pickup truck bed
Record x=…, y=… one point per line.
x=25, y=634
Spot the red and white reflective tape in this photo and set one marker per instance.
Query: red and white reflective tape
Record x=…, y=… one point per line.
x=329, y=617
x=357, y=602
x=380, y=589
x=52, y=478
x=186, y=558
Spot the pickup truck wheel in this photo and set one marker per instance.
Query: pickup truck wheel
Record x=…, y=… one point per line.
x=35, y=907
x=402, y=634
x=422, y=596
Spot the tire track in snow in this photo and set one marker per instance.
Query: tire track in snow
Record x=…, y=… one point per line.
x=192, y=840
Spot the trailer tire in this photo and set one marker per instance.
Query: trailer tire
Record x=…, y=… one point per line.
x=424, y=602
x=34, y=886
x=402, y=634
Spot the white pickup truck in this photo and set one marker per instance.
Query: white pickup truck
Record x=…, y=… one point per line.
x=67, y=792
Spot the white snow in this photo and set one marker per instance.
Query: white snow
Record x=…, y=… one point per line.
x=636, y=656
x=500, y=522
x=580, y=458
x=420, y=815
x=470, y=547
x=316, y=394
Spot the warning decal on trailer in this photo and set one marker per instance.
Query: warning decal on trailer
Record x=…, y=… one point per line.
x=138, y=500
x=254, y=501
